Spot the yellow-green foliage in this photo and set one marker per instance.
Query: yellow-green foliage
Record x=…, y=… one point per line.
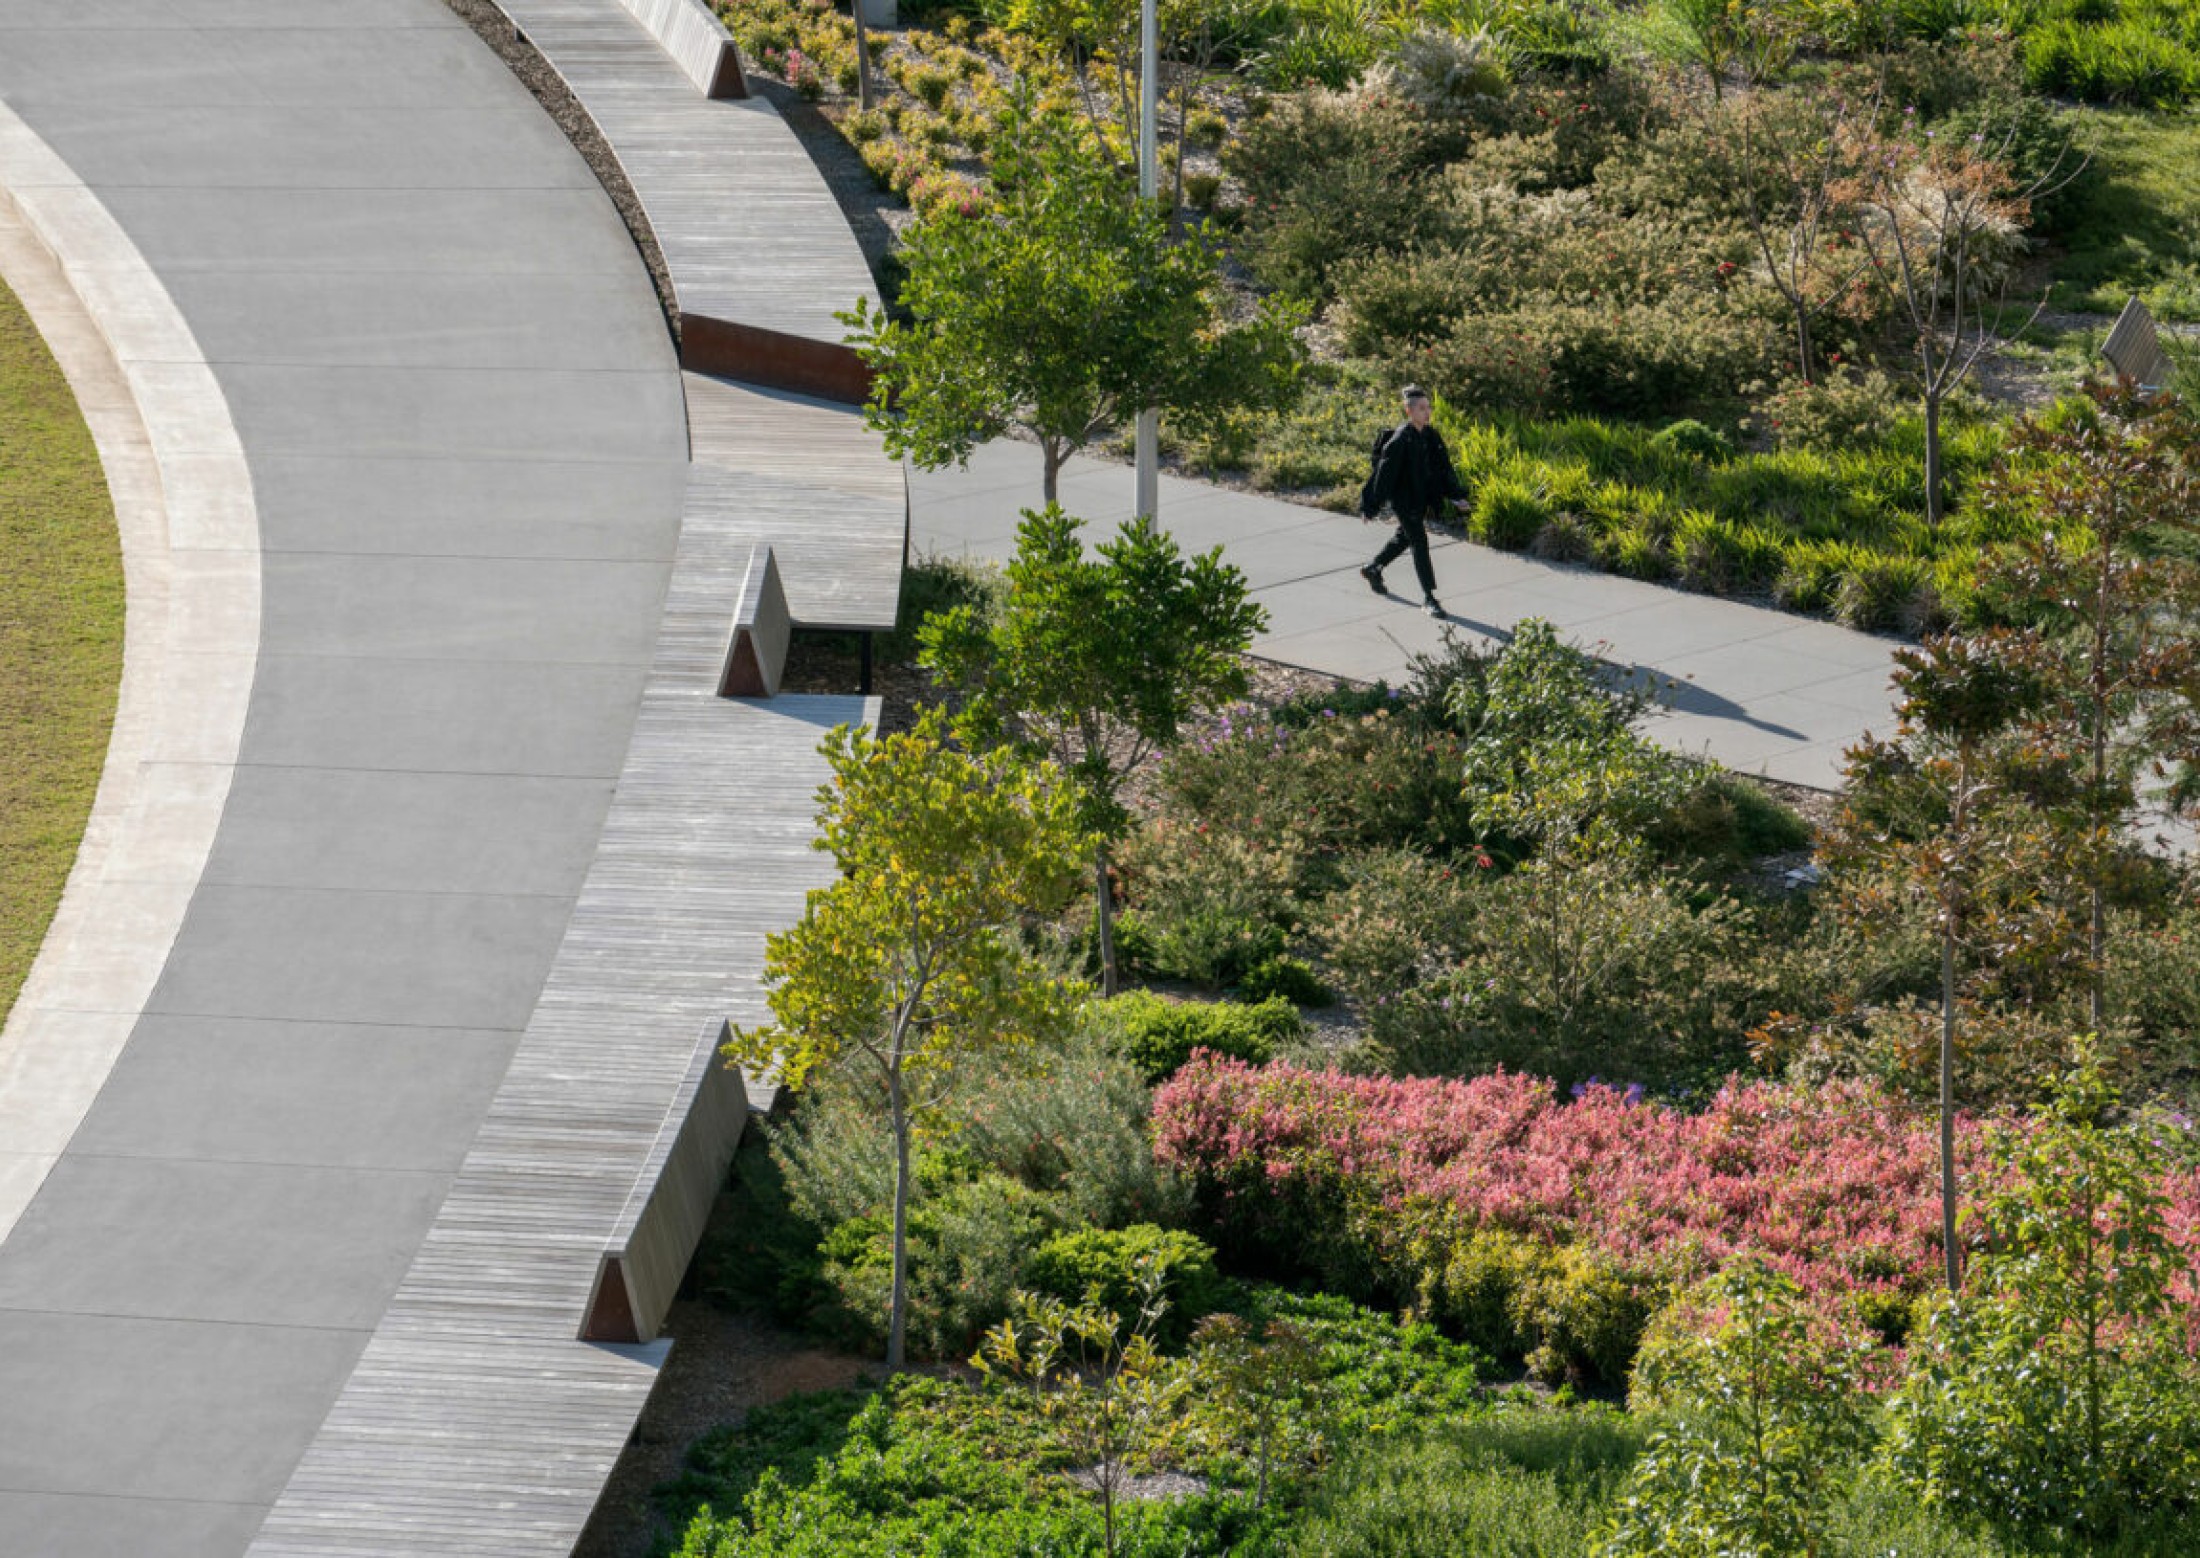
x=60, y=636
x=1564, y=1308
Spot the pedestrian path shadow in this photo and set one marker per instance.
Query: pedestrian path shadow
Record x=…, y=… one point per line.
x=1684, y=696
x=1679, y=694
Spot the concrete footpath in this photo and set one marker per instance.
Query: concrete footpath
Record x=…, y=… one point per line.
x=464, y=430
x=1761, y=691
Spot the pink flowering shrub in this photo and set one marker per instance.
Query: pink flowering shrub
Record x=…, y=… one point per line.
x=1555, y=1229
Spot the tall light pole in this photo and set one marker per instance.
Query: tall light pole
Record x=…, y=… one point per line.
x=1149, y=186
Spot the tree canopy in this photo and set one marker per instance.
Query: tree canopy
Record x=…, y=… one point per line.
x=1061, y=307
x=910, y=959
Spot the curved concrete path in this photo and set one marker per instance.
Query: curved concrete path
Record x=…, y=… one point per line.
x=1760, y=691
x=464, y=429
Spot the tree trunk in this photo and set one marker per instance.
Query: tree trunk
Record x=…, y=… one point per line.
x=1111, y=976
x=1948, y=1107
x=2097, y=894
x=1802, y=339
x=1932, y=461
x=1056, y=455
x=863, y=57
x=897, y=1331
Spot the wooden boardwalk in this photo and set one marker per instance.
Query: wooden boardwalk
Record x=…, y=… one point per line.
x=805, y=477
x=476, y=1424
x=759, y=257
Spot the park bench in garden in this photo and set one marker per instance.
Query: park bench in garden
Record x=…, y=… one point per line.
x=697, y=41
x=657, y=1231
x=756, y=651
x=2134, y=350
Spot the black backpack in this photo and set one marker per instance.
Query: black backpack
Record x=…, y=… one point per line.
x=1374, y=469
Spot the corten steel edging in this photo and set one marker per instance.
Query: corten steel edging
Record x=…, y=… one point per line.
x=755, y=355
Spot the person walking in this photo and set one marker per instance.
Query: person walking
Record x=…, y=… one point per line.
x=1413, y=474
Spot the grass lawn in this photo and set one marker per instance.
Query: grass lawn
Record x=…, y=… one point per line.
x=2137, y=228
x=60, y=636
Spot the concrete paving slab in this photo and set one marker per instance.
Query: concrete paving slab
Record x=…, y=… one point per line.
x=48, y=64
x=412, y=959
x=115, y=1528
x=588, y=322
x=479, y=232
x=61, y=1058
x=272, y=1245
x=226, y=1089
x=390, y=67
x=471, y=507
x=251, y=146
x=334, y=15
x=304, y=1020
x=316, y=711
x=404, y=413
x=513, y=834
x=93, y=1385
x=542, y=611
x=38, y=15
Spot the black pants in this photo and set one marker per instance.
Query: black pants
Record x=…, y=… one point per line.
x=1412, y=532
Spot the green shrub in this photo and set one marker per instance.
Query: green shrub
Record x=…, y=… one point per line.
x=1380, y=1376
x=1392, y=301
x=968, y=1245
x=1074, y=1125
x=1159, y=1035
x=1325, y=182
x=1695, y=441
x=1568, y=538
x=931, y=84
x=1566, y=1311
x=1759, y=1420
x=1072, y=1266
x=1883, y=594
x=1284, y=979
x=1282, y=807
x=1726, y=821
x=1834, y=413
x=2034, y=140
x=1710, y=553
x=1440, y=72
x=2057, y=1391
x=1638, y=553
x=1567, y=971
x=1509, y=513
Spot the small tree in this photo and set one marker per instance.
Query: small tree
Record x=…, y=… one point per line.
x=1944, y=223
x=2111, y=584
x=1761, y=1417
x=909, y=959
x=1960, y=698
x=1061, y=308
x=1102, y=1387
x=1789, y=153
x=1098, y=662
x=2060, y=1391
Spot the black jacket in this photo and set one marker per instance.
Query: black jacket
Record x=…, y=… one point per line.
x=1414, y=474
